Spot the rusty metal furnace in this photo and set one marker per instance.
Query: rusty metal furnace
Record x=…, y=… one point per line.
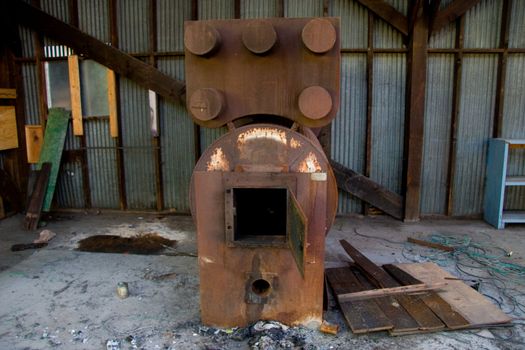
x=263, y=196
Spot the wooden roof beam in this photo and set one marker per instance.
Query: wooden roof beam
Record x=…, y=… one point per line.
x=387, y=13
x=84, y=44
x=452, y=12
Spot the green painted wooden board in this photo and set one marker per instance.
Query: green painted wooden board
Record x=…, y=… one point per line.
x=55, y=135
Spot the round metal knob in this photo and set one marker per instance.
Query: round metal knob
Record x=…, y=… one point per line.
x=206, y=104
x=201, y=38
x=259, y=37
x=319, y=35
x=315, y=102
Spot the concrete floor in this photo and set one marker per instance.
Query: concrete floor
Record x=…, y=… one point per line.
x=60, y=298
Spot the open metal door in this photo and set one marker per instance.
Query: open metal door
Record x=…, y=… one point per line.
x=297, y=225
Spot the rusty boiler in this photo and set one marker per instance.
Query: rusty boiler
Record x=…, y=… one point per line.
x=263, y=195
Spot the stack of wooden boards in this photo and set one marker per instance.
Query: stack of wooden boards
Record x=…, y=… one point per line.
x=453, y=306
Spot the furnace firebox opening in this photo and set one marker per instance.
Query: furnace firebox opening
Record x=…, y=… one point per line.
x=259, y=213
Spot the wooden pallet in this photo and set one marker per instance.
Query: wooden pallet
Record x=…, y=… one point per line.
x=454, y=306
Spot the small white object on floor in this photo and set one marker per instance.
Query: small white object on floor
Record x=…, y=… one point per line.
x=45, y=236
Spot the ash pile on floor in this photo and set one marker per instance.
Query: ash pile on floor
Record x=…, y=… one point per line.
x=267, y=335
x=146, y=244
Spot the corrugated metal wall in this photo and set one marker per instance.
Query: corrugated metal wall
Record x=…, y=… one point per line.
x=450, y=180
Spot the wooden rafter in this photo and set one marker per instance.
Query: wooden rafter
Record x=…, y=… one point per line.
x=452, y=12
x=388, y=13
x=82, y=43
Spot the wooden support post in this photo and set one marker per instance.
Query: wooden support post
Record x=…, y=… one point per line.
x=502, y=69
x=369, y=100
x=196, y=127
x=417, y=76
x=113, y=30
x=76, y=107
x=38, y=41
x=325, y=133
x=159, y=183
x=15, y=162
x=456, y=95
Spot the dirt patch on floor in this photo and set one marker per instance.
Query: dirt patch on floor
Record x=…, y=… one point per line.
x=146, y=244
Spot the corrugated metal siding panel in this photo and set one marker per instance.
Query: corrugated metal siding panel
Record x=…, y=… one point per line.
x=388, y=120
x=132, y=22
x=56, y=8
x=26, y=38
x=349, y=127
x=517, y=25
x=101, y=156
x=385, y=36
x=93, y=18
x=444, y=38
x=445, y=3
x=514, y=126
x=72, y=142
x=60, y=10
x=400, y=5
x=436, y=147
x=208, y=136
x=258, y=8
x=30, y=80
x=138, y=151
x=475, y=121
x=354, y=23
x=171, y=15
x=177, y=141
x=216, y=9
x=69, y=186
x=303, y=8
x=483, y=24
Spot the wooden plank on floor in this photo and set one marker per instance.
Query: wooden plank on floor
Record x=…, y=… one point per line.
x=415, y=307
x=401, y=320
x=55, y=135
x=440, y=307
x=362, y=316
x=473, y=306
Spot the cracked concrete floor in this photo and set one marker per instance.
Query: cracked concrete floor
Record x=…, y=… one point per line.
x=57, y=297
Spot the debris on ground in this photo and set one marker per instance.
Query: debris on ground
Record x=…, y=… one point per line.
x=149, y=243
x=265, y=335
x=45, y=236
x=25, y=246
x=113, y=344
x=329, y=328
